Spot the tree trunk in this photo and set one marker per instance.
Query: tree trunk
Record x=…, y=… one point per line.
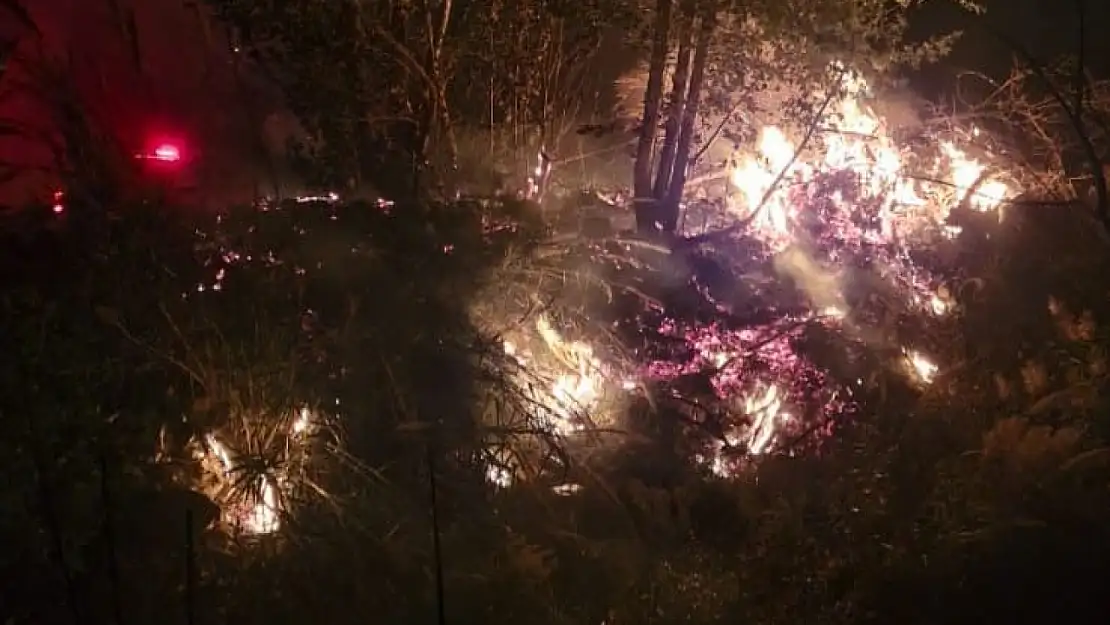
x=641, y=181
x=437, y=120
x=677, y=106
x=669, y=207
x=452, y=145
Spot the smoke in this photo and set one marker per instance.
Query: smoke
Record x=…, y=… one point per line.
x=821, y=286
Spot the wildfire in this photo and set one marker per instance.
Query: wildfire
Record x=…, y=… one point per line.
x=856, y=140
x=921, y=367
x=765, y=412
x=252, y=501
x=565, y=387
x=566, y=384
x=851, y=192
x=564, y=379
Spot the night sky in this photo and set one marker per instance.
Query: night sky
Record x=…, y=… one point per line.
x=1047, y=28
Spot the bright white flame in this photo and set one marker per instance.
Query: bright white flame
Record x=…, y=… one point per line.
x=303, y=421
x=921, y=367
x=254, y=514
x=857, y=141
x=766, y=414
x=330, y=198
x=576, y=391
x=765, y=410
x=499, y=476
x=251, y=508
x=573, y=382
x=938, y=305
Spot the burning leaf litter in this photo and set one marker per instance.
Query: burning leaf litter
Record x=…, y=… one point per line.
x=254, y=497
x=848, y=194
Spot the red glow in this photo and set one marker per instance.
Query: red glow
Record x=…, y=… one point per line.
x=167, y=152
x=59, y=207
x=164, y=152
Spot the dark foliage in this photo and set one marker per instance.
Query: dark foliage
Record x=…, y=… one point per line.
x=982, y=498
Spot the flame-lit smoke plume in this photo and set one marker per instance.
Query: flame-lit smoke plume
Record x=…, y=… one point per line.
x=851, y=192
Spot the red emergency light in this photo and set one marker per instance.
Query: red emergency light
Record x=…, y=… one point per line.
x=163, y=152
x=167, y=152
